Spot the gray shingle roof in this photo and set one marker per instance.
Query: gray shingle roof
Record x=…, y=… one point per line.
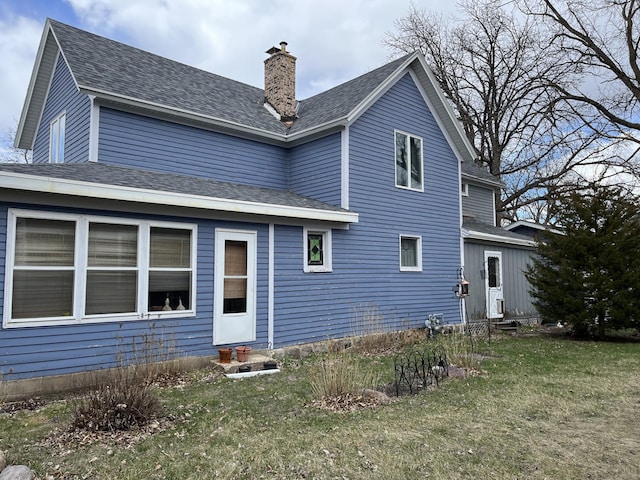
x=104, y=174
x=98, y=63
x=339, y=101
x=475, y=226
x=104, y=65
x=471, y=169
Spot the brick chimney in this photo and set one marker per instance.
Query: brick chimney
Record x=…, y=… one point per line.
x=280, y=82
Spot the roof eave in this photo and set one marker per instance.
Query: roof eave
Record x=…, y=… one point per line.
x=475, y=235
x=44, y=184
x=36, y=74
x=105, y=96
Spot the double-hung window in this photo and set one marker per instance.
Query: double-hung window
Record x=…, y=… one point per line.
x=409, y=164
x=410, y=253
x=56, y=139
x=64, y=269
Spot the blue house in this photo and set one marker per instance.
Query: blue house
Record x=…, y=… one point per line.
x=165, y=197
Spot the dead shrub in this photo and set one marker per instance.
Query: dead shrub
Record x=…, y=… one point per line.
x=338, y=374
x=124, y=404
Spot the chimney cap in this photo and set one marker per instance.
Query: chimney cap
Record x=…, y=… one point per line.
x=274, y=50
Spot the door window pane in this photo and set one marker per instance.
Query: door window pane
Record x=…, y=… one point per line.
x=494, y=272
x=235, y=276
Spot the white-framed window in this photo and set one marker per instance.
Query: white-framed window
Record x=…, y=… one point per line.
x=56, y=138
x=66, y=269
x=409, y=163
x=317, y=250
x=464, y=189
x=410, y=253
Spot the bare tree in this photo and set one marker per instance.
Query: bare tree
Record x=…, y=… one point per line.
x=602, y=38
x=503, y=78
x=9, y=153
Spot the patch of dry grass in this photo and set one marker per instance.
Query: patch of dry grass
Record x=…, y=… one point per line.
x=545, y=409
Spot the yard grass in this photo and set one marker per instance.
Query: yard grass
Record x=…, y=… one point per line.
x=544, y=408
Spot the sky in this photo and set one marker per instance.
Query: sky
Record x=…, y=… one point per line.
x=333, y=40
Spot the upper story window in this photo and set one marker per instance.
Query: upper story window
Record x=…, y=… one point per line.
x=317, y=250
x=56, y=139
x=409, y=166
x=410, y=253
x=66, y=269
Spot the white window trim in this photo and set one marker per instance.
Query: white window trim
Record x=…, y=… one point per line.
x=81, y=247
x=327, y=246
x=464, y=189
x=409, y=136
x=57, y=120
x=417, y=268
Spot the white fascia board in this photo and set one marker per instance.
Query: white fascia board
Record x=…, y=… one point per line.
x=536, y=226
x=156, y=107
x=489, y=237
x=35, y=74
x=483, y=181
x=10, y=180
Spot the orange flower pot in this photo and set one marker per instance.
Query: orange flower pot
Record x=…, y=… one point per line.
x=225, y=354
x=242, y=353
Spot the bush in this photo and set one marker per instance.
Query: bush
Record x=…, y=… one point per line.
x=338, y=374
x=123, y=405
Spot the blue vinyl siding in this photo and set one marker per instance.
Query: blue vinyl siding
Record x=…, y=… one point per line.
x=366, y=275
x=479, y=204
x=315, y=169
x=131, y=140
x=64, y=96
x=55, y=350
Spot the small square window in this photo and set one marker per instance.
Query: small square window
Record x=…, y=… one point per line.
x=464, y=189
x=317, y=250
x=410, y=253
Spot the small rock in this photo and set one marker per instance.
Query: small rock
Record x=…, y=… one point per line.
x=17, y=472
x=3, y=460
x=379, y=397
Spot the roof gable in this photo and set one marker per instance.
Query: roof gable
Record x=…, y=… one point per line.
x=117, y=73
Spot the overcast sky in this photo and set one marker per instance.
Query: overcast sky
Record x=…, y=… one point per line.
x=334, y=40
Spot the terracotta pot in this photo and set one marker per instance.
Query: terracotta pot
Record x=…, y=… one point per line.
x=225, y=354
x=242, y=353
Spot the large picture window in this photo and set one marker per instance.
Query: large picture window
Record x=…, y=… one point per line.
x=65, y=269
x=409, y=171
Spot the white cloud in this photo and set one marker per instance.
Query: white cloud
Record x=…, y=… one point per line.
x=334, y=40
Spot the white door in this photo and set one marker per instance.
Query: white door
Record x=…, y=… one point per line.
x=493, y=284
x=234, y=319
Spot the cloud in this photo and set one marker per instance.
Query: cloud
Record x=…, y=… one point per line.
x=19, y=38
x=333, y=40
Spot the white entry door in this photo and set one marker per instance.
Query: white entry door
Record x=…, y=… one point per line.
x=234, y=319
x=493, y=284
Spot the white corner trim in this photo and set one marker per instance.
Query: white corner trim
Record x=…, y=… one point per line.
x=94, y=129
x=344, y=168
x=271, y=287
x=18, y=181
